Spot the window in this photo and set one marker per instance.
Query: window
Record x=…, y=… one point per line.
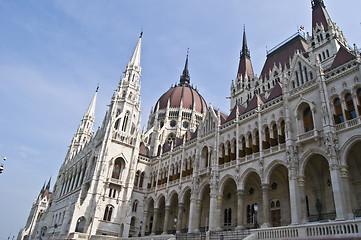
x=283, y=135
x=135, y=206
x=108, y=213
x=141, y=180
x=327, y=53
x=338, y=111
x=350, y=108
x=185, y=124
x=307, y=120
x=359, y=100
x=116, y=168
x=227, y=217
x=112, y=193
x=256, y=145
x=267, y=143
x=297, y=79
x=116, y=125
x=171, y=138
x=136, y=180
x=243, y=144
x=173, y=123
x=300, y=66
x=250, y=144
x=275, y=134
x=125, y=122
x=306, y=75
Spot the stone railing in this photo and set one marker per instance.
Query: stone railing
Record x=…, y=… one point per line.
x=313, y=134
x=329, y=230
x=348, y=124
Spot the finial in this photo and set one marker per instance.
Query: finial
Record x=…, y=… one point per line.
x=141, y=33
x=97, y=88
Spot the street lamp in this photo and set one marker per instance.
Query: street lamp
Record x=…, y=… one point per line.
x=255, y=207
x=175, y=223
x=140, y=228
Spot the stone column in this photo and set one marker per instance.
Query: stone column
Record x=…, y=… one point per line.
x=346, y=187
x=266, y=209
x=155, y=220
x=198, y=215
x=219, y=211
x=302, y=200
x=82, y=170
x=240, y=207
x=145, y=218
x=338, y=192
x=295, y=196
x=213, y=209
x=166, y=219
x=180, y=217
x=192, y=215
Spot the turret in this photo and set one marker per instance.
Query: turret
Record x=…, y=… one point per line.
x=85, y=130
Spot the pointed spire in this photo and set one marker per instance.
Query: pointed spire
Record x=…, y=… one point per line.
x=135, y=59
x=185, y=79
x=320, y=14
x=245, y=68
x=48, y=185
x=42, y=189
x=91, y=109
x=245, y=50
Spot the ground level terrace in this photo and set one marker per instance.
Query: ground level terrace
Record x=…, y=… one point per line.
x=317, y=191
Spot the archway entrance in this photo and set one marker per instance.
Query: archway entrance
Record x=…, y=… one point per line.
x=229, y=205
x=318, y=188
x=149, y=215
x=184, y=221
x=253, y=195
x=279, y=197
x=172, y=223
x=204, y=216
x=354, y=177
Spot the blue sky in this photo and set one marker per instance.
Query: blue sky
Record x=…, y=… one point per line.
x=53, y=54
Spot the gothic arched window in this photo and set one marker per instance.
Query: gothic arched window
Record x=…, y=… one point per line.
x=141, y=180
x=117, y=168
x=267, y=143
x=308, y=120
x=350, y=108
x=108, y=213
x=136, y=180
x=338, y=111
x=275, y=134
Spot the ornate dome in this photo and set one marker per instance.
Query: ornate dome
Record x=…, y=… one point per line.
x=182, y=93
x=189, y=97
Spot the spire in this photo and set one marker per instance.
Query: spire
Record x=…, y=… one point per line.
x=91, y=109
x=42, y=189
x=185, y=79
x=245, y=50
x=135, y=59
x=48, y=185
x=319, y=14
x=245, y=65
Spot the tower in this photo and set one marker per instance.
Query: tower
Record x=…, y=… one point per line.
x=85, y=130
x=327, y=38
x=244, y=75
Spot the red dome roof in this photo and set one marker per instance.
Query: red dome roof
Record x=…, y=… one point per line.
x=184, y=93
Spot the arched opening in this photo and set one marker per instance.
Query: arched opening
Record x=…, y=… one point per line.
x=234, y=150
x=117, y=168
x=108, y=213
x=267, y=142
x=204, y=216
x=253, y=194
x=161, y=213
x=136, y=179
x=229, y=205
x=308, y=120
x=80, y=225
x=249, y=150
x=141, y=180
x=222, y=157
x=318, y=189
x=275, y=135
x=242, y=151
x=186, y=211
x=350, y=107
x=171, y=227
x=205, y=157
x=280, y=213
x=132, y=228
x=149, y=214
x=338, y=116
x=353, y=160
x=282, y=137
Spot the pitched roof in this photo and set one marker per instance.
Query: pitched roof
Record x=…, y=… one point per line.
x=254, y=102
x=223, y=118
x=282, y=54
x=343, y=56
x=143, y=150
x=276, y=92
x=232, y=115
x=320, y=15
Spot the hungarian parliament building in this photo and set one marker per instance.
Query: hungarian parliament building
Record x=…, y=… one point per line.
x=284, y=163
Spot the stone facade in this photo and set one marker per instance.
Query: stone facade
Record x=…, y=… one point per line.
x=290, y=146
